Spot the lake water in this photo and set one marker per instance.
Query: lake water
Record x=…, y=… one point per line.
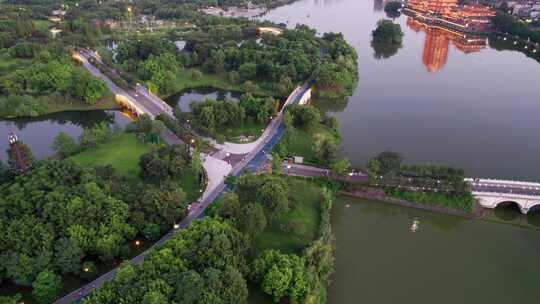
x=185, y=98
x=437, y=100
x=448, y=260
x=39, y=132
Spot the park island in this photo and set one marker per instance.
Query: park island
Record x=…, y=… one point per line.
x=194, y=152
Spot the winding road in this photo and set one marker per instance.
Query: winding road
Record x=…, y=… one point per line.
x=237, y=158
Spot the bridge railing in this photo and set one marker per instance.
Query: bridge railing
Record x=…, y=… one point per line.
x=501, y=182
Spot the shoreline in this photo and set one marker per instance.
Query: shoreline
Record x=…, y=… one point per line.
x=104, y=106
x=378, y=196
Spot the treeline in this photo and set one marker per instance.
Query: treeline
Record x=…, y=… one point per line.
x=61, y=218
x=212, y=260
x=424, y=183
x=506, y=23
x=45, y=82
x=230, y=47
x=211, y=116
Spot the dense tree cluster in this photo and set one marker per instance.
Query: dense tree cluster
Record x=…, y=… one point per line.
x=164, y=163
x=231, y=48
x=337, y=75
x=56, y=76
x=211, y=115
x=62, y=218
x=28, y=91
x=208, y=261
x=441, y=184
x=387, y=39
x=507, y=23
x=205, y=263
x=55, y=215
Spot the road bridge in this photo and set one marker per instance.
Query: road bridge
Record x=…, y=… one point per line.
x=139, y=100
x=490, y=193
x=495, y=192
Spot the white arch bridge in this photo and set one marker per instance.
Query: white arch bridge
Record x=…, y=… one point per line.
x=491, y=193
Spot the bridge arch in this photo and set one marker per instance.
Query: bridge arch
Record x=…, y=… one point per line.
x=534, y=208
x=519, y=205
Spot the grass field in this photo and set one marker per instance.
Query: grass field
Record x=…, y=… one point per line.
x=43, y=25
x=305, y=205
x=249, y=129
x=122, y=152
x=301, y=143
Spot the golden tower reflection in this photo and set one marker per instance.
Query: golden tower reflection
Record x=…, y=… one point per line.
x=437, y=41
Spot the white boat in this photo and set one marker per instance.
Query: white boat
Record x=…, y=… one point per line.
x=415, y=225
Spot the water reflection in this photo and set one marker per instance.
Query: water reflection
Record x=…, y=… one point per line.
x=378, y=5
x=39, y=132
x=185, y=98
x=384, y=50
x=437, y=42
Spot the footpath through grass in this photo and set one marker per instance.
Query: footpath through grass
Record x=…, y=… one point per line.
x=305, y=212
x=122, y=152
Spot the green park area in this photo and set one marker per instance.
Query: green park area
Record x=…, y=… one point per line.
x=34, y=83
x=309, y=144
x=296, y=229
x=122, y=152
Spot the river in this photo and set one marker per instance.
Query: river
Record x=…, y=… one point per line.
x=436, y=100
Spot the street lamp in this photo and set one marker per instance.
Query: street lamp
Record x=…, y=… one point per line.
x=137, y=243
x=288, y=169
x=192, y=141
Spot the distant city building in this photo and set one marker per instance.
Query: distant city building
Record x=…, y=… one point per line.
x=527, y=9
x=448, y=13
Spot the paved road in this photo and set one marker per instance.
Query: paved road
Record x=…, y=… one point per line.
x=310, y=171
x=240, y=162
x=477, y=185
x=148, y=104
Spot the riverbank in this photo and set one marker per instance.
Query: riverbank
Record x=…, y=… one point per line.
x=74, y=106
x=379, y=196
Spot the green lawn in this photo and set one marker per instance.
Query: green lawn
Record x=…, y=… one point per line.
x=190, y=184
x=305, y=204
x=251, y=130
x=43, y=25
x=301, y=143
x=122, y=152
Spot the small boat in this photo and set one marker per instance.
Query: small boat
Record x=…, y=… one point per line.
x=415, y=225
